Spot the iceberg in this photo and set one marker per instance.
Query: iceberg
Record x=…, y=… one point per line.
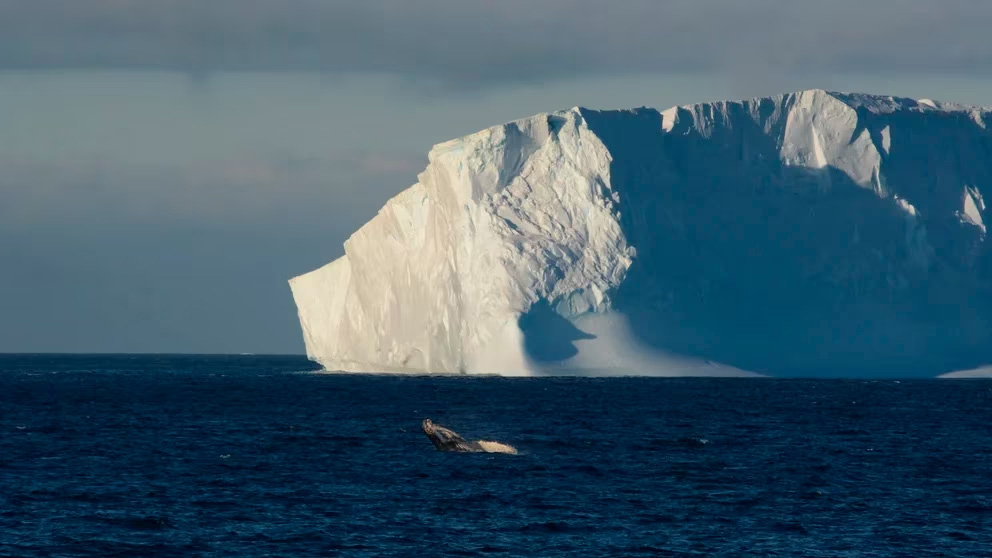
x=984, y=372
x=806, y=234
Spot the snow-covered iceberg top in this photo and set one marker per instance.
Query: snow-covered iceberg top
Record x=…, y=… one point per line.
x=808, y=233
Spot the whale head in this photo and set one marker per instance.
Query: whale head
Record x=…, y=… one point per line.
x=446, y=439
x=428, y=426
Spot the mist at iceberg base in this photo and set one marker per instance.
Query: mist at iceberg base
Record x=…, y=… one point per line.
x=807, y=234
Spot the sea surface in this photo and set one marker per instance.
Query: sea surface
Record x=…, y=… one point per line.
x=254, y=456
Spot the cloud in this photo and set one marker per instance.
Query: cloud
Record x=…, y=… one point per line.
x=110, y=255
x=472, y=43
x=283, y=192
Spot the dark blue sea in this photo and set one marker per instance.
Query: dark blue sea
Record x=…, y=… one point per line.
x=254, y=456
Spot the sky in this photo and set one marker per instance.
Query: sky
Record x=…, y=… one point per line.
x=167, y=165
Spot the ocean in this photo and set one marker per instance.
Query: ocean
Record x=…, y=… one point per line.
x=256, y=456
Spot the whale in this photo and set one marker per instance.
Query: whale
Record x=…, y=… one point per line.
x=445, y=439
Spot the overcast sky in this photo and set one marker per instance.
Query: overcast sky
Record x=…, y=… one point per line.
x=166, y=165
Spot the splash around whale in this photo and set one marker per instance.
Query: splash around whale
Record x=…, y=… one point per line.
x=805, y=234
x=445, y=439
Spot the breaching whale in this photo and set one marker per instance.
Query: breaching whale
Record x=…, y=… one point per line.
x=448, y=440
x=445, y=439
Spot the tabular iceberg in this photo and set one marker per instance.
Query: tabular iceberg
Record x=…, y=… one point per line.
x=811, y=233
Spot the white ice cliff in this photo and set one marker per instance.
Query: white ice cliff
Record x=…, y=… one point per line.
x=812, y=233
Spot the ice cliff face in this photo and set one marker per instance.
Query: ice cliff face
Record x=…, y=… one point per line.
x=808, y=233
